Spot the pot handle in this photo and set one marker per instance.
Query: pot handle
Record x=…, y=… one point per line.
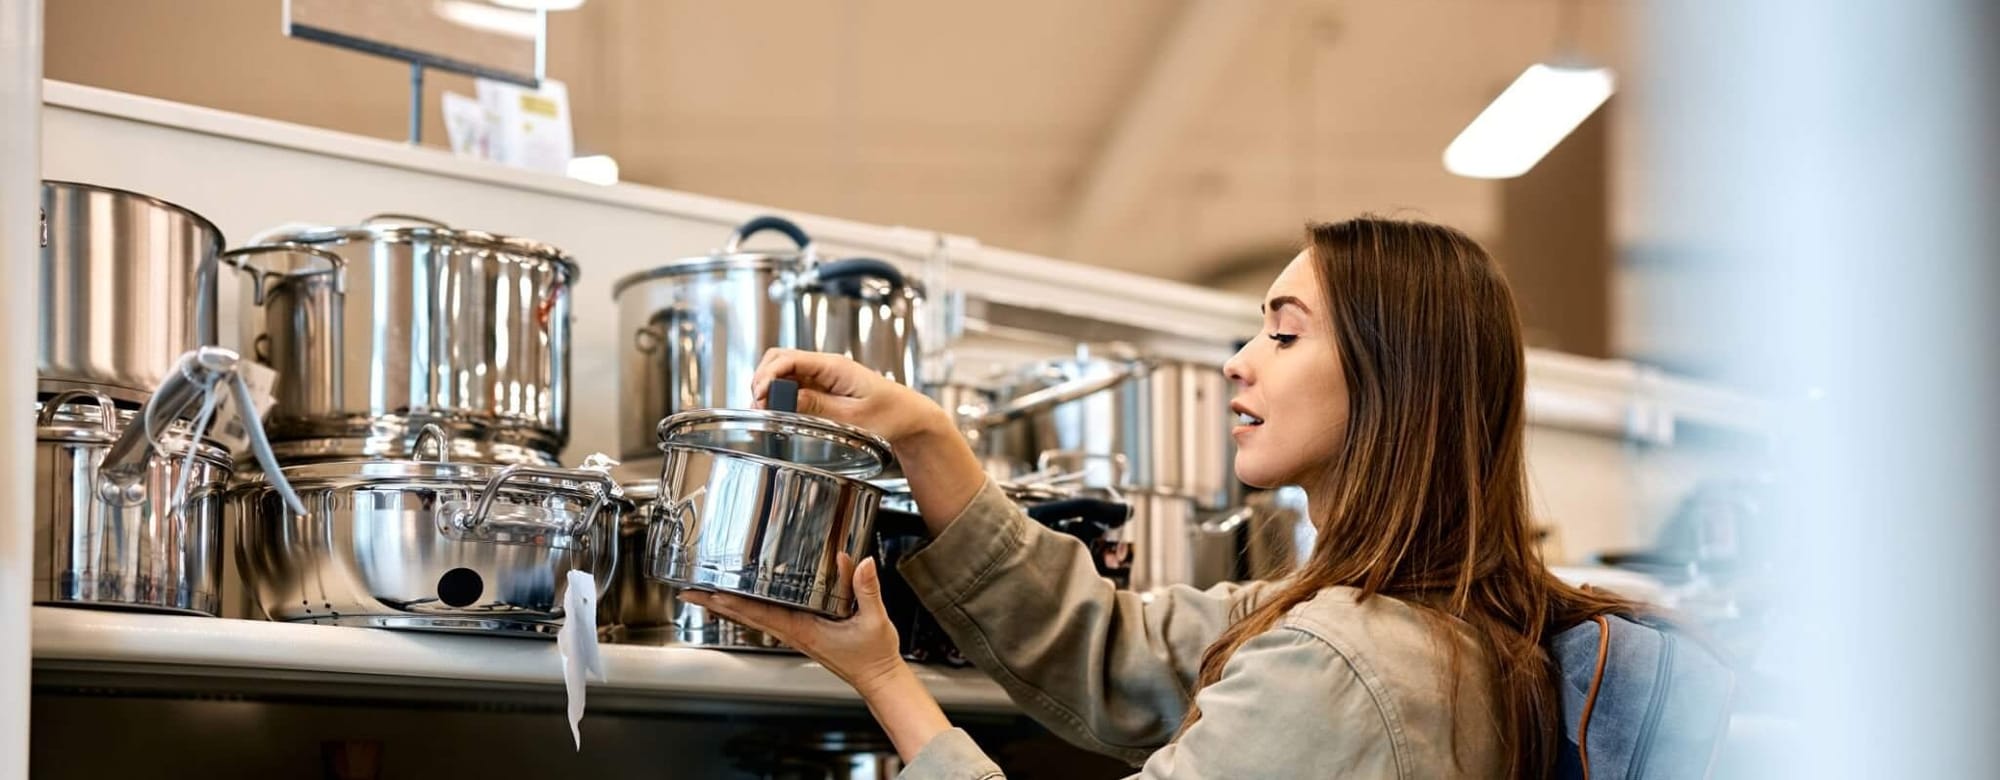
x=260, y=275
x=1050, y=397
x=434, y=435
x=107, y=411
x=481, y=514
x=856, y=268
x=1096, y=511
x=753, y=227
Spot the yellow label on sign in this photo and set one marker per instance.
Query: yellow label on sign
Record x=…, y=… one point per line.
x=536, y=104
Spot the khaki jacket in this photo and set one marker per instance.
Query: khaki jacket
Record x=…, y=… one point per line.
x=1338, y=689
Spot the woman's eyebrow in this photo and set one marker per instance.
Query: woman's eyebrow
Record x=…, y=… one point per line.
x=1282, y=301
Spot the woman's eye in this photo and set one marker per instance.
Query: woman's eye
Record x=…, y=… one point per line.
x=1284, y=339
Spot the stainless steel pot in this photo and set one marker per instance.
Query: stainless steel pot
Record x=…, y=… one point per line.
x=428, y=543
x=638, y=609
x=1186, y=406
x=1173, y=542
x=696, y=328
x=93, y=547
x=1079, y=408
x=762, y=503
x=416, y=323
x=127, y=286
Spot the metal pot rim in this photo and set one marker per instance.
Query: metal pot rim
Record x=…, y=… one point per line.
x=873, y=455
x=711, y=262
x=413, y=473
x=408, y=234
x=206, y=225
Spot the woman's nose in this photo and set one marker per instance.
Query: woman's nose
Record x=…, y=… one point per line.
x=1238, y=367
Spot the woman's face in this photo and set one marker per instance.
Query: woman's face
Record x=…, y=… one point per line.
x=1291, y=398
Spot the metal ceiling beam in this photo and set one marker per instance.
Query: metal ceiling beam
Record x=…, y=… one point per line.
x=1190, y=60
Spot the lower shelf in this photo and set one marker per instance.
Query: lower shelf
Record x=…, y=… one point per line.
x=209, y=656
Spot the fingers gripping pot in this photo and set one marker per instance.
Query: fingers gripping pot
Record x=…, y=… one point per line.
x=427, y=543
x=763, y=503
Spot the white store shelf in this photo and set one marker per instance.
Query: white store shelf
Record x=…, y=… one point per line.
x=198, y=655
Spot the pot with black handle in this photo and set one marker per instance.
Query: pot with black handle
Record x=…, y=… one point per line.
x=692, y=331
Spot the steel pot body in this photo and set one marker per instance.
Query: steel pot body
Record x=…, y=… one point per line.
x=1190, y=451
x=127, y=286
x=427, y=545
x=419, y=324
x=693, y=331
x=161, y=552
x=638, y=609
x=763, y=504
x=1171, y=541
x=692, y=335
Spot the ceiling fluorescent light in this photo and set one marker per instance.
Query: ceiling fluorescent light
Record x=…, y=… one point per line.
x=594, y=168
x=1535, y=113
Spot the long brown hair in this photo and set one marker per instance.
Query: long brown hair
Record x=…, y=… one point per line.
x=1427, y=500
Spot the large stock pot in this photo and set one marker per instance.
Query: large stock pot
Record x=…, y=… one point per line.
x=127, y=286
x=427, y=544
x=157, y=548
x=693, y=330
x=412, y=323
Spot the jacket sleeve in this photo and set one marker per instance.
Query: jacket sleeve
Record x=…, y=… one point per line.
x=1108, y=670
x=1288, y=706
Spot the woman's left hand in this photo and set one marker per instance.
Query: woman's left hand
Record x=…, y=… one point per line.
x=862, y=649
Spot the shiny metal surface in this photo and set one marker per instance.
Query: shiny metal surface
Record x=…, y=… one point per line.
x=1102, y=430
x=760, y=527
x=638, y=609
x=157, y=554
x=1191, y=452
x=127, y=284
x=692, y=331
x=798, y=439
x=872, y=319
x=436, y=325
x=426, y=545
x=1169, y=543
x=691, y=337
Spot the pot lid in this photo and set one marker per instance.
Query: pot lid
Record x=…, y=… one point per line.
x=396, y=228
x=798, y=439
x=732, y=254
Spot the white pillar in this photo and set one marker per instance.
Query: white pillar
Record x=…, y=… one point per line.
x=1833, y=167
x=20, y=198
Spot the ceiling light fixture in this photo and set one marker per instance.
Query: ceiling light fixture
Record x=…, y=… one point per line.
x=1534, y=114
x=1541, y=108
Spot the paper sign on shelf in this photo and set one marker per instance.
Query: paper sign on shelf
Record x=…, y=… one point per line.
x=530, y=128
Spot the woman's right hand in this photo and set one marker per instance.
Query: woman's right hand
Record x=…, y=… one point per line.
x=943, y=472
x=839, y=389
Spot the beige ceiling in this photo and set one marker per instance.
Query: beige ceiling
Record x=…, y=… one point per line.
x=1197, y=134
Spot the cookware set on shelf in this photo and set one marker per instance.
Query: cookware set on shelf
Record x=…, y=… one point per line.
x=398, y=465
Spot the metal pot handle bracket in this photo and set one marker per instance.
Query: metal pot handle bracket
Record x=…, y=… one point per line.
x=1050, y=397
x=107, y=411
x=526, y=524
x=260, y=277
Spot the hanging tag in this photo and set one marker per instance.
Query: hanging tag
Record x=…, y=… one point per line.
x=229, y=425
x=577, y=643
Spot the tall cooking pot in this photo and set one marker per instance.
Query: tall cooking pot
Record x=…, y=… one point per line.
x=416, y=323
x=159, y=550
x=693, y=330
x=127, y=286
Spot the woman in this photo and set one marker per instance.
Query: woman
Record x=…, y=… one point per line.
x=1388, y=383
